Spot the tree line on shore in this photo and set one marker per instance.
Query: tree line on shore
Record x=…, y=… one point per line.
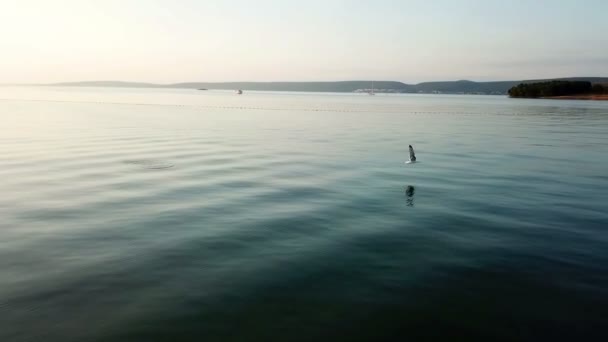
x=556, y=88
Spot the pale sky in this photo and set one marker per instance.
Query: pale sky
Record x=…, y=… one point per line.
x=166, y=41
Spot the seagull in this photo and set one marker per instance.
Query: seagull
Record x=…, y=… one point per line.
x=412, y=155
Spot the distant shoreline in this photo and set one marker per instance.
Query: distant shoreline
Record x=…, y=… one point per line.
x=592, y=97
x=357, y=86
x=561, y=90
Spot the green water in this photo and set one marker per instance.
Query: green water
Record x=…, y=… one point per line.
x=177, y=215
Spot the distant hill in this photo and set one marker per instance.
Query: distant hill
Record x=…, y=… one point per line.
x=343, y=86
x=552, y=89
x=447, y=87
x=497, y=87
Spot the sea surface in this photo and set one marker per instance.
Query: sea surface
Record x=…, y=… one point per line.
x=183, y=215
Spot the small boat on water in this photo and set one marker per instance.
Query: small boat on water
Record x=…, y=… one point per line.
x=202, y=89
x=240, y=92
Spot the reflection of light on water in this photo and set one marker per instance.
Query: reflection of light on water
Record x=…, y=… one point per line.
x=150, y=164
x=409, y=193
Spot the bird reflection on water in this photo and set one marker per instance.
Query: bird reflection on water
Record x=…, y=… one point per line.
x=409, y=193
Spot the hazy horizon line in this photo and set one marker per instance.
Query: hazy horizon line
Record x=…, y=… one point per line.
x=291, y=81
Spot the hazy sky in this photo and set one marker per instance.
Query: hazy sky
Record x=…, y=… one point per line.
x=266, y=40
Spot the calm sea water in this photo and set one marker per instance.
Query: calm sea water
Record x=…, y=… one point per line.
x=181, y=215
